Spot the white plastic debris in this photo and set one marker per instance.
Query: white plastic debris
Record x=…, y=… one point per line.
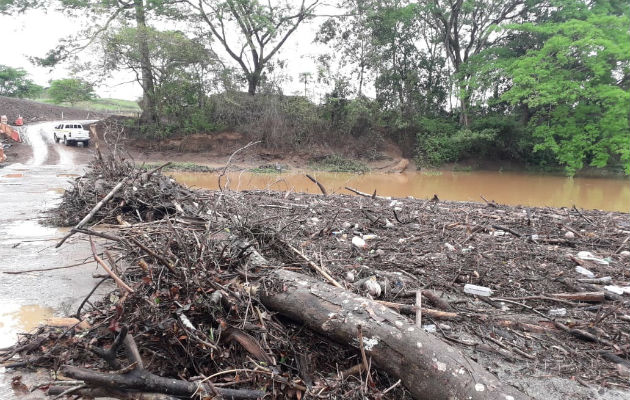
x=449, y=247
x=558, y=312
x=350, y=276
x=584, y=271
x=358, y=242
x=588, y=256
x=615, y=289
x=388, y=223
x=372, y=287
x=498, y=233
x=369, y=237
x=346, y=225
x=430, y=328
x=569, y=235
x=477, y=290
x=625, y=254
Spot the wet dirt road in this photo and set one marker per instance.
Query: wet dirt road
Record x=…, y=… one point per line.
x=27, y=190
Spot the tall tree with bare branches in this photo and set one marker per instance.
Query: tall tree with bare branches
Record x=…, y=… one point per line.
x=251, y=32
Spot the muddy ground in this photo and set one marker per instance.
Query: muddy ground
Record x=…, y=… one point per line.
x=32, y=111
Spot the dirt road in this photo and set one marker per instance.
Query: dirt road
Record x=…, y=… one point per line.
x=27, y=190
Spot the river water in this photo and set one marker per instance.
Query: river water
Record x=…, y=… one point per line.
x=612, y=194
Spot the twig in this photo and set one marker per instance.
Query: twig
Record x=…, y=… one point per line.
x=97, y=207
x=582, y=215
x=371, y=196
x=363, y=356
x=418, y=307
x=119, y=282
x=45, y=269
x=621, y=246
x=315, y=267
x=227, y=165
x=321, y=187
x=69, y=391
x=503, y=228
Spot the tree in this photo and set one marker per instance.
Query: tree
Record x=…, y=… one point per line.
x=14, y=83
x=467, y=27
x=70, y=90
x=576, y=85
x=389, y=42
x=180, y=67
x=261, y=30
x=108, y=12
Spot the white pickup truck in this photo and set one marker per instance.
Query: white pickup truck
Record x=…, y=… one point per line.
x=71, y=133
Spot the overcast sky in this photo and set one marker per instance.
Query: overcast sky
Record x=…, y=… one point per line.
x=35, y=32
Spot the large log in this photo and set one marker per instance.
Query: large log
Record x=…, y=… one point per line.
x=428, y=367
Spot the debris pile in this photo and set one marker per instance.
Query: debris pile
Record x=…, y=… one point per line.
x=196, y=272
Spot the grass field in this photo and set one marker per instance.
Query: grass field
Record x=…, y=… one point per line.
x=118, y=106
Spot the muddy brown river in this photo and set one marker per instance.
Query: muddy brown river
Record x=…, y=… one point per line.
x=511, y=188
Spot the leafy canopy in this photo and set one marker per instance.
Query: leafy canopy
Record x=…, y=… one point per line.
x=574, y=84
x=14, y=83
x=70, y=90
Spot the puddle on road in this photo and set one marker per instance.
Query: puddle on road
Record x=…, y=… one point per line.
x=13, y=176
x=503, y=187
x=27, y=229
x=15, y=319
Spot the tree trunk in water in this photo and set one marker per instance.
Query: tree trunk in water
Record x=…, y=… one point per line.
x=428, y=367
x=149, y=113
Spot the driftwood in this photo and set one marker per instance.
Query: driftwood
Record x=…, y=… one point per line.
x=428, y=367
x=145, y=381
x=97, y=207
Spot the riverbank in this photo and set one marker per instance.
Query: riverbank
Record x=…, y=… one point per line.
x=544, y=316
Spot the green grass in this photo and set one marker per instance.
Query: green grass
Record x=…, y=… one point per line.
x=337, y=163
x=106, y=105
x=179, y=166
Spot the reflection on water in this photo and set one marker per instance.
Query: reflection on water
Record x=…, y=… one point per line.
x=15, y=318
x=26, y=229
x=504, y=187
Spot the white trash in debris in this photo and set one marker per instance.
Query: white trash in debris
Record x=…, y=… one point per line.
x=350, y=276
x=584, y=271
x=615, y=289
x=449, y=247
x=358, y=242
x=557, y=312
x=369, y=237
x=477, y=290
x=346, y=225
x=430, y=328
x=372, y=287
x=569, y=235
x=625, y=254
x=588, y=256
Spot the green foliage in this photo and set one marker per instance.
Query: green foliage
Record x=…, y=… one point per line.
x=442, y=141
x=14, y=83
x=337, y=163
x=580, y=110
x=70, y=90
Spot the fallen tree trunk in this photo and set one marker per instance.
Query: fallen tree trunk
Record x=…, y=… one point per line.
x=428, y=367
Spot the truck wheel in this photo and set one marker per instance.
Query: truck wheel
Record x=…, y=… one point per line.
x=65, y=141
x=56, y=139
x=86, y=143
